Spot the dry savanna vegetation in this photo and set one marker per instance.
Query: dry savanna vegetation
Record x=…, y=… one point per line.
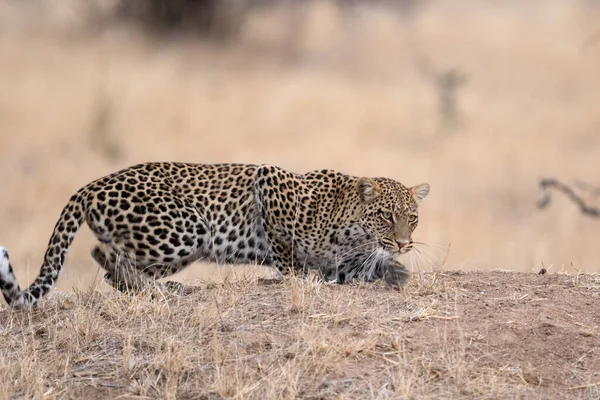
x=447, y=335
x=480, y=99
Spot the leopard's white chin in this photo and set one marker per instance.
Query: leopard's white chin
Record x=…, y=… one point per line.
x=388, y=251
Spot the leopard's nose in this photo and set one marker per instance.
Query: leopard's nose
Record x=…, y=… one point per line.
x=402, y=243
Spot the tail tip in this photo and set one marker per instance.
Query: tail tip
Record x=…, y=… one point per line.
x=4, y=262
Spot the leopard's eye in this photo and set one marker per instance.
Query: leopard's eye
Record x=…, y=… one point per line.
x=412, y=218
x=386, y=215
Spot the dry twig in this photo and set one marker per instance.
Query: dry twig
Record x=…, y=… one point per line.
x=550, y=183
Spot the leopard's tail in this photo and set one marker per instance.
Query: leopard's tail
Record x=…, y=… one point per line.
x=69, y=222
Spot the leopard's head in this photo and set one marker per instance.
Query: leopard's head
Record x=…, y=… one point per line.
x=389, y=211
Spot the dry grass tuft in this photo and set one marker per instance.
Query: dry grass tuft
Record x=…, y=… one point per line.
x=250, y=338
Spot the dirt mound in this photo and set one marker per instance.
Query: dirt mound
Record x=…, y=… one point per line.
x=450, y=335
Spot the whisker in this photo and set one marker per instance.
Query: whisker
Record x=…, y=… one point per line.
x=414, y=266
x=379, y=257
x=433, y=258
x=433, y=246
x=370, y=267
x=430, y=255
x=357, y=247
x=428, y=244
x=419, y=260
x=423, y=263
x=421, y=250
x=370, y=262
x=366, y=268
x=435, y=253
x=425, y=258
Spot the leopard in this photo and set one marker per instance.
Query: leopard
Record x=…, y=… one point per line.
x=154, y=219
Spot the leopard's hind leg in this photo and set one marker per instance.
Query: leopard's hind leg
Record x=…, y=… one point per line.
x=127, y=276
x=121, y=271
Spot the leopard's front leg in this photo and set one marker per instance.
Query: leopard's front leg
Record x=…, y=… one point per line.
x=368, y=268
x=285, y=261
x=282, y=253
x=394, y=273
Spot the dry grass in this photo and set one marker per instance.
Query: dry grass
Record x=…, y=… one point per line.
x=443, y=337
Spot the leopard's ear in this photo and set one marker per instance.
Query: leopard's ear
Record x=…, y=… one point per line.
x=368, y=190
x=419, y=192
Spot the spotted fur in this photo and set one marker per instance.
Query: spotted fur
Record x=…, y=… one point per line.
x=152, y=220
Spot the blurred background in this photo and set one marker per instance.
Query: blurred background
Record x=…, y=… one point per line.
x=480, y=99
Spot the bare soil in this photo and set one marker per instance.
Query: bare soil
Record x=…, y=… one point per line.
x=446, y=335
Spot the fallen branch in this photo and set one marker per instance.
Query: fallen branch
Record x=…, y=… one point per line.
x=592, y=189
x=549, y=183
